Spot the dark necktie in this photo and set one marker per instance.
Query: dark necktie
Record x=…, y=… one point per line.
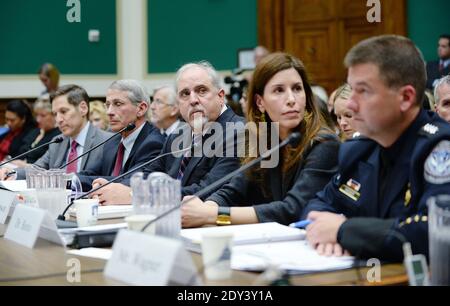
x=385, y=167
x=119, y=160
x=73, y=167
x=441, y=66
x=187, y=157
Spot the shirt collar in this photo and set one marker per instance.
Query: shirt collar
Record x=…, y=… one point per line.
x=81, y=137
x=171, y=128
x=445, y=63
x=404, y=141
x=129, y=141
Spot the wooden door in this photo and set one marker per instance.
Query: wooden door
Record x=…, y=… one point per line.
x=320, y=32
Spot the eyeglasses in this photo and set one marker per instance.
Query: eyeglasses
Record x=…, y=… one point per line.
x=159, y=103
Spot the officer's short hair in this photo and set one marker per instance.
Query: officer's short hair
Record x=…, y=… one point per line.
x=212, y=72
x=400, y=62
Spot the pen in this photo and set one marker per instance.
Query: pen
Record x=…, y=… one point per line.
x=301, y=224
x=10, y=173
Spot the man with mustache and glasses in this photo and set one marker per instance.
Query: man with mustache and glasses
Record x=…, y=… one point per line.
x=202, y=105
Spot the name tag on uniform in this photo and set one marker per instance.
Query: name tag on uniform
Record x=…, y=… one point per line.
x=351, y=189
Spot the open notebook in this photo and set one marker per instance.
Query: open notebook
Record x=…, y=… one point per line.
x=243, y=234
x=293, y=256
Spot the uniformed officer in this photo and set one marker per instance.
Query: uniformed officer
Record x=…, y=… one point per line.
x=377, y=200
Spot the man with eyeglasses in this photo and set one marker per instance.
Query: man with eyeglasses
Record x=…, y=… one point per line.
x=164, y=110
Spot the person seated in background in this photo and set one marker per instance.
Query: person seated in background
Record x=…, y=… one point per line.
x=47, y=131
x=49, y=76
x=126, y=102
x=201, y=101
x=70, y=107
x=97, y=115
x=21, y=124
x=279, y=93
x=164, y=110
x=344, y=115
x=385, y=177
x=441, y=67
x=442, y=98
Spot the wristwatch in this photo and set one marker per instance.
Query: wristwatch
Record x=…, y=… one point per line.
x=223, y=216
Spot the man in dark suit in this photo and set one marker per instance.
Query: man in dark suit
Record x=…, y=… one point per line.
x=202, y=106
x=70, y=104
x=126, y=102
x=438, y=69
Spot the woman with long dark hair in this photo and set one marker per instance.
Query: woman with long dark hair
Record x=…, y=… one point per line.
x=279, y=93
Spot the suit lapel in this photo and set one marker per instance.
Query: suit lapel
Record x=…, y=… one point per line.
x=189, y=169
x=141, y=137
x=90, y=137
x=61, y=158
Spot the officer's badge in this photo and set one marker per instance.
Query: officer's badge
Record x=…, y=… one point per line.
x=431, y=129
x=408, y=195
x=351, y=189
x=437, y=165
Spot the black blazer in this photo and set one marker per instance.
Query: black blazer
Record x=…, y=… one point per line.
x=200, y=171
x=22, y=142
x=48, y=136
x=282, y=198
x=147, y=146
x=433, y=73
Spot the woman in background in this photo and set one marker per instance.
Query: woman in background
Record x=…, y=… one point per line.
x=46, y=132
x=343, y=114
x=97, y=115
x=21, y=124
x=49, y=76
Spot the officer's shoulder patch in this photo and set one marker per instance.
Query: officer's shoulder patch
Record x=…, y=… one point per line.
x=429, y=129
x=437, y=165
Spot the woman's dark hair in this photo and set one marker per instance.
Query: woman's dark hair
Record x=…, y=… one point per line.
x=23, y=110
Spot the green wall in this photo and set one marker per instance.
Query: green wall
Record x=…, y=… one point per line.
x=181, y=31
x=36, y=31
x=426, y=21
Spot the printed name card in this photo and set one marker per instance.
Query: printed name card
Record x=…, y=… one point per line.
x=7, y=199
x=24, y=225
x=141, y=259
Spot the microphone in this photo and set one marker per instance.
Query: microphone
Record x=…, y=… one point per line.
x=293, y=139
x=128, y=128
x=61, y=217
x=55, y=140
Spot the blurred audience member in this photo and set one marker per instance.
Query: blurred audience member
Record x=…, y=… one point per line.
x=343, y=114
x=442, y=98
x=438, y=69
x=97, y=115
x=49, y=76
x=21, y=123
x=46, y=132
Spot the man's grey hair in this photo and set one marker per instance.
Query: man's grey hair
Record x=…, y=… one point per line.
x=171, y=94
x=442, y=81
x=212, y=72
x=136, y=91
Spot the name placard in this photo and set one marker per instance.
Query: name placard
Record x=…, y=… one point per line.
x=7, y=199
x=142, y=259
x=24, y=225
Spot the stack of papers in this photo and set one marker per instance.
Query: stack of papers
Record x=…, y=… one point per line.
x=109, y=211
x=293, y=256
x=243, y=234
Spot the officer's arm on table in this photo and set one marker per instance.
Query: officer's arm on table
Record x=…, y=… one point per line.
x=368, y=237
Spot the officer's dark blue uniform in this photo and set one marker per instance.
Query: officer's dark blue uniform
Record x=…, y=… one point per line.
x=382, y=211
